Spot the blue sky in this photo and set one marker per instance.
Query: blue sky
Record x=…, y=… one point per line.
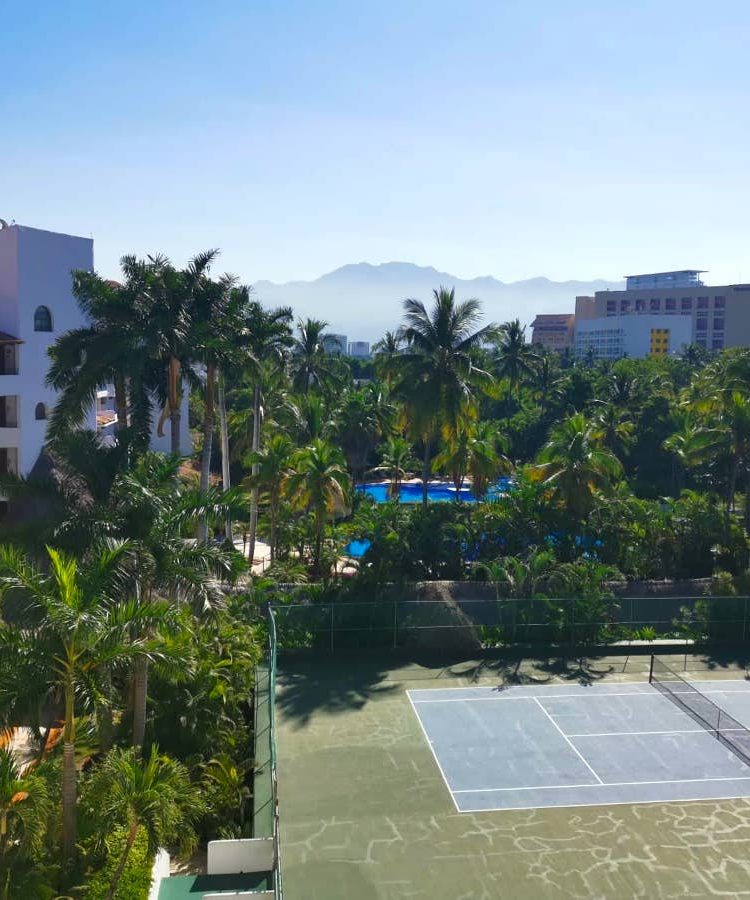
x=512, y=138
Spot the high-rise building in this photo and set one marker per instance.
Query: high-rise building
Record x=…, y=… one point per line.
x=336, y=343
x=553, y=331
x=359, y=349
x=36, y=307
x=719, y=315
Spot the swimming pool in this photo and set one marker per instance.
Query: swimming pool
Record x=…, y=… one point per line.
x=436, y=492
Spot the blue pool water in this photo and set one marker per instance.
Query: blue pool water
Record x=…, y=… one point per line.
x=436, y=493
x=357, y=549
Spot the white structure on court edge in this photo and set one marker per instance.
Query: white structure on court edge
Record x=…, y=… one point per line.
x=634, y=336
x=36, y=307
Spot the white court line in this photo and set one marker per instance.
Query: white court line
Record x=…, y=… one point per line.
x=685, y=731
x=503, y=809
x=569, y=742
x=434, y=755
x=562, y=787
x=578, y=695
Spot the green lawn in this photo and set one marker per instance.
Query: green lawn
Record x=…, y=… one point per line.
x=365, y=813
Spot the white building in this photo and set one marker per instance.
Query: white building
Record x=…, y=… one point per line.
x=36, y=306
x=634, y=336
x=359, y=349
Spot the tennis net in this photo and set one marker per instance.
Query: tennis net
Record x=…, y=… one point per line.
x=725, y=728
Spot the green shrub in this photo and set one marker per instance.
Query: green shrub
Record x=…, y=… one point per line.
x=136, y=879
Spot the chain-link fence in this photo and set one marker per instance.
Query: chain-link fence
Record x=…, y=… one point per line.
x=479, y=623
x=265, y=795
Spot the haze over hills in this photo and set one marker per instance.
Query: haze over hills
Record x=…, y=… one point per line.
x=364, y=300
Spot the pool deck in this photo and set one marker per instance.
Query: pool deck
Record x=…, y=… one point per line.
x=365, y=812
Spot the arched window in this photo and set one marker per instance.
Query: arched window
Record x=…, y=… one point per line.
x=42, y=319
x=40, y=411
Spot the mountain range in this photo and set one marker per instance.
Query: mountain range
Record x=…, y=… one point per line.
x=364, y=300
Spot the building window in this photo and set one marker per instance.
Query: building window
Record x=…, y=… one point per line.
x=42, y=319
x=640, y=305
x=670, y=303
x=624, y=305
x=611, y=306
x=701, y=341
x=718, y=323
x=40, y=412
x=702, y=302
x=686, y=304
x=719, y=302
x=701, y=325
x=654, y=304
x=717, y=343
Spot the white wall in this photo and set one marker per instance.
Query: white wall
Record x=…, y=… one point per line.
x=242, y=855
x=45, y=263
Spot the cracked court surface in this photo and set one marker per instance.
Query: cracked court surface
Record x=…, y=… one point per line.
x=366, y=814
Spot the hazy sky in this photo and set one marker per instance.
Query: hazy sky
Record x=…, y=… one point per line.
x=506, y=137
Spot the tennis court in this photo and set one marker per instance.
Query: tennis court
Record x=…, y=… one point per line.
x=563, y=745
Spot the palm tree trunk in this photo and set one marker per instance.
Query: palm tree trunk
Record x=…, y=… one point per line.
x=140, y=693
x=318, y=551
x=208, y=438
x=174, y=398
x=132, y=833
x=69, y=777
x=256, y=468
x=121, y=403
x=425, y=470
x=224, y=438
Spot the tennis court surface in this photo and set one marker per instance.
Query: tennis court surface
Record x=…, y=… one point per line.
x=533, y=747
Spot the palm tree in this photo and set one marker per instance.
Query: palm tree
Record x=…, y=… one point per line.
x=109, y=350
x=270, y=466
x=216, y=319
x=265, y=342
x=318, y=482
x=515, y=359
x=614, y=427
x=396, y=464
x=365, y=414
x=169, y=302
x=311, y=364
x=74, y=627
x=385, y=354
x=476, y=450
x=25, y=810
x=154, y=794
x=152, y=509
x=575, y=465
x=438, y=382
x=690, y=445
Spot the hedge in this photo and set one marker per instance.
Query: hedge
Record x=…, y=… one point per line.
x=136, y=878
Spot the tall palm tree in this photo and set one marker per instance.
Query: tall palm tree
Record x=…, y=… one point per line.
x=25, y=811
x=575, y=465
x=614, y=427
x=311, y=363
x=476, y=450
x=515, y=359
x=318, y=482
x=438, y=381
x=154, y=794
x=270, y=467
x=169, y=302
x=397, y=462
x=74, y=626
x=216, y=318
x=265, y=342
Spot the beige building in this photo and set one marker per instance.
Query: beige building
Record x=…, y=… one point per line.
x=553, y=331
x=719, y=314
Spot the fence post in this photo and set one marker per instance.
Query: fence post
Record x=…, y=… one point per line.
x=573, y=621
x=744, y=620
x=331, y=624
